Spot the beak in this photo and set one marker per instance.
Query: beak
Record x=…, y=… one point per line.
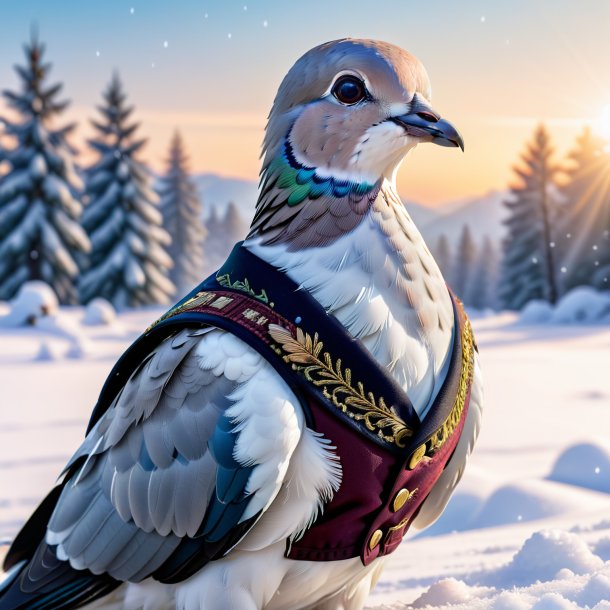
x=423, y=122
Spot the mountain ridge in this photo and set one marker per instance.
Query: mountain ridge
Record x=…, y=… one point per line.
x=484, y=213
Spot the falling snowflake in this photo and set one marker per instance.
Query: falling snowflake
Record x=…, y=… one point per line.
x=519, y=517
x=132, y=10
x=97, y=53
x=205, y=16
x=594, y=247
x=482, y=18
x=165, y=44
x=534, y=260
x=564, y=270
x=152, y=65
x=568, y=235
x=265, y=23
x=245, y=8
x=597, y=470
x=229, y=35
x=552, y=244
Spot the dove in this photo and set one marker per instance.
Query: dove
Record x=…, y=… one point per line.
x=267, y=443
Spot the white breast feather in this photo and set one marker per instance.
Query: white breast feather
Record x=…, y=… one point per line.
x=378, y=297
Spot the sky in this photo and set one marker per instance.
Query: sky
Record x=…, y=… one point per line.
x=211, y=69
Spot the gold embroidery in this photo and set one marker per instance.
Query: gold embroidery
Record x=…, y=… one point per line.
x=449, y=426
x=250, y=314
x=225, y=280
x=201, y=298
x=220, y=302
x=304, y=354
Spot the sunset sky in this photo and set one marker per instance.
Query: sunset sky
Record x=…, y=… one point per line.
x=211, y=69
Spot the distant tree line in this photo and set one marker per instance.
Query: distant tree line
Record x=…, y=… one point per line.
x=557, y=231
x=101, y=231
x=470, y=270
x=105, y=231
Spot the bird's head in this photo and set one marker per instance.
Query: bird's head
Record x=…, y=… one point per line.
x=344, y=117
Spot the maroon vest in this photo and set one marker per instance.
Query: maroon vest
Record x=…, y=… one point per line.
x=390, y=460
x=382, y=489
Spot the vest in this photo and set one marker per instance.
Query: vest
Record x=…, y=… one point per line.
x=390, y=460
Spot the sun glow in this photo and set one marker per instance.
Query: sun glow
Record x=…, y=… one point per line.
x=603, y=123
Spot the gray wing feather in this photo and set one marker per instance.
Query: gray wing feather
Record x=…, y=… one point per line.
x=138, y=489
x=119, y=494
x=148, y=476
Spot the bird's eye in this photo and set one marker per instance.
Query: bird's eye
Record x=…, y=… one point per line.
x=349, y=90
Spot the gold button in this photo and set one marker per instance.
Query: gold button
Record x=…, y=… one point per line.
x=417, y=456
x=375, y=539
x=401, y=498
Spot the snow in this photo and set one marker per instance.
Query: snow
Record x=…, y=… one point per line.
x=586, y=465
x=34, y=301
x=536, y=312
x=544, y=556
x=448, y=591
x=46, y=352
x=583, y=304
x=580, y=305
x=528, y=501
x=99, y=312
x=528, y=528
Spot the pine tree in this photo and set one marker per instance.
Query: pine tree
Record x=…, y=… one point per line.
x=222, y=235
x=585, y=223
x=528, y=265
x=442, y=255
x=40, y=236
x=181, y=209
x=234, y=226
x=463, y=267
x=214, y=244
x=129, y=263
x=481, y=294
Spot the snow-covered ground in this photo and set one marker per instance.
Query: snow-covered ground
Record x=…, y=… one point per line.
x=528, y=528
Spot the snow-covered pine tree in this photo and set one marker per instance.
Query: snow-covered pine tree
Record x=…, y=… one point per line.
x=40, y=236
x=482, y=290
x=463, y=267
x=528, y=265
x=129, y=264
x=584, y=234
x=181, y=208
x=442, y=255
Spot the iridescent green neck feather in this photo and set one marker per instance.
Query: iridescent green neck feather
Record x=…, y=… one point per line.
x=299, y=207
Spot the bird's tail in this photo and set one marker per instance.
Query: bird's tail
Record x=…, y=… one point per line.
x=46, y=583
x=37, y=580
